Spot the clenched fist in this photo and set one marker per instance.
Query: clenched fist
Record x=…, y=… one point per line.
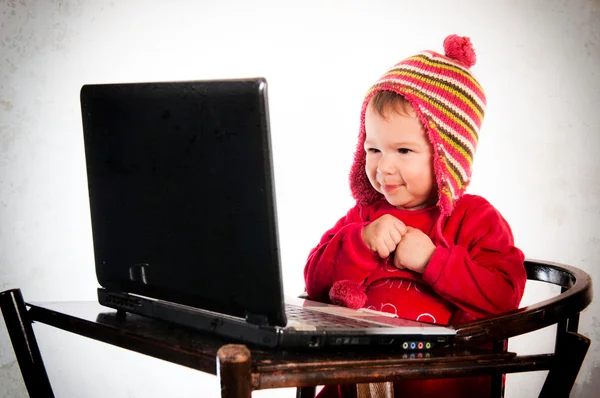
x=384, y=234
x=414, y=251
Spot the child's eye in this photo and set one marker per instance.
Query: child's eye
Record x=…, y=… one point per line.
x=404, y=151
x=372, y=150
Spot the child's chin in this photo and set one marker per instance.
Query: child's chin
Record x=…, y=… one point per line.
x=403, y=204
x=396, y=202
x=400, y=201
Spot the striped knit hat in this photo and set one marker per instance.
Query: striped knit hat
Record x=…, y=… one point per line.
x=450, y=104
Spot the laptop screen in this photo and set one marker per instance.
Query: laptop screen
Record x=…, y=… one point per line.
x=181, y=193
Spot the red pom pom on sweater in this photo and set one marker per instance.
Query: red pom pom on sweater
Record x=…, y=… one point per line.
x=349, y=294
x=460, y=49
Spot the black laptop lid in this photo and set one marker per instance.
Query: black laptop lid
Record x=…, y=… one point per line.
x=181, y=193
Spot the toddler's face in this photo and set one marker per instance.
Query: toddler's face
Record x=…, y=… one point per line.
x=399, y=161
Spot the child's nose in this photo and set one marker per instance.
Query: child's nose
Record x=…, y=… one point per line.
x=386, y=165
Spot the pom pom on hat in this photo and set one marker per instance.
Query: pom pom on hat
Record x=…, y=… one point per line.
x=460, y=49
x=348, y=293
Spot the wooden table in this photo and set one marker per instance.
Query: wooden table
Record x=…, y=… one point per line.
x=243, y=369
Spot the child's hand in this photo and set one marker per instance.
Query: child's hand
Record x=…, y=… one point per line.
x=414, y=251
x=383, y=235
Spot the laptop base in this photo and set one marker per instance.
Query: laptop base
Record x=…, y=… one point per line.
x=296, y=337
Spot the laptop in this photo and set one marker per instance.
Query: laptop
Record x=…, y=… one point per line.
x=184, y=219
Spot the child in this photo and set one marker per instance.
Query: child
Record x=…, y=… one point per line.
x=416, y=243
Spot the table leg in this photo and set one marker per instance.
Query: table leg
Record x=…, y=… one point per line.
x=234, y=371
x=24, y=343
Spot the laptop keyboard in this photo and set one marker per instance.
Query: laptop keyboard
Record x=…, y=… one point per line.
x=318, y=318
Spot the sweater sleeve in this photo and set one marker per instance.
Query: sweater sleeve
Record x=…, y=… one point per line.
x=340, y=255
x=482, y=273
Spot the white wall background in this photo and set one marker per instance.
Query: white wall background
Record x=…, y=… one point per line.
x=537, y=162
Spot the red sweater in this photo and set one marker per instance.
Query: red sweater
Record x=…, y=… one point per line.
x=475, y=270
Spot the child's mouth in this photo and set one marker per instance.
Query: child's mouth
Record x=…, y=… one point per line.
x=390, y=188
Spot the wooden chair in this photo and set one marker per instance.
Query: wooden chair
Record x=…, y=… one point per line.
x=258, y=369
x=564, y=309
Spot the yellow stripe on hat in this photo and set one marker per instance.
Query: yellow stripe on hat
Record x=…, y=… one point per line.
x=455, y=145
x=445, y=111
x=423, y=57
x=456, y=177
x=433, y=80
x=461, y=85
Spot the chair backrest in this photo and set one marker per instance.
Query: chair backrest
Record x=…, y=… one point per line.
x=576, y=294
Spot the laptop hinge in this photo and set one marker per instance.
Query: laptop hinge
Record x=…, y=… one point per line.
x=256, y=319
